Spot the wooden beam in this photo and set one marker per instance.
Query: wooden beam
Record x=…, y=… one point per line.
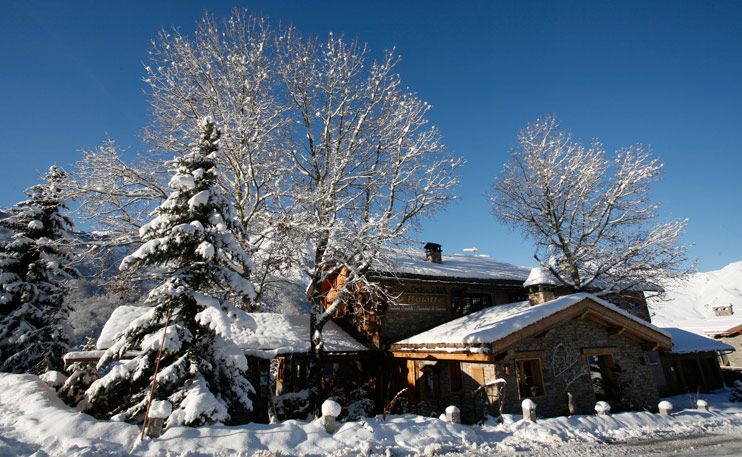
x=649, y=347
x=462, y=356
x=545, y=334
x=599, y=351
x=521, y=355
x=616, y=331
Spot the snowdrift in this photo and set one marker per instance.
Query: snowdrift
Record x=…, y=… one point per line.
x=33, y=419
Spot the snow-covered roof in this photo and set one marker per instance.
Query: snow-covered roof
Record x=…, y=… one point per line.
x=414, y=262
x=684, y=342
x=263, y=335
x=690, y=305
x=539, y=276
x=495, y=323
x=267, y=335
x=117, y=323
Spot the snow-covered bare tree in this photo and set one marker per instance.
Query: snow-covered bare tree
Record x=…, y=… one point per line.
x=202, y=371
x=590, y=215
x=367, y=165
x=34, y=333
x=116, y=194
x=225, y=70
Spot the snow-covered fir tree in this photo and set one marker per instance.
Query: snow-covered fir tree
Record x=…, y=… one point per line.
x=34, y=334
x=202, y=371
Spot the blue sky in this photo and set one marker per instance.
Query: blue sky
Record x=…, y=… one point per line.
x=667, y=74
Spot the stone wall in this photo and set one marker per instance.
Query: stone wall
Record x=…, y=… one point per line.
x=735, y=358
x=633, y=372
x=400, y=322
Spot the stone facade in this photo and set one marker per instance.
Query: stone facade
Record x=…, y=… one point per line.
x=632, y=371
x=735, y=358
x=403, y=320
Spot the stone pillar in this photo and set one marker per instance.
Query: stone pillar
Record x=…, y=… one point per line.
x=453, y=415
x=665, y=408
x=158, y=412
x=602, y=408
x=330, y=411
x=529, y=410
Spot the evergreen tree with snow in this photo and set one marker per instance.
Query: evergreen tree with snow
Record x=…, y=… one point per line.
x=34, y=334
x=201, y=371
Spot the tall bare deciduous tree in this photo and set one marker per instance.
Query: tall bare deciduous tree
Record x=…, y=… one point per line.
x=327, y=158
x=590, y=215
x=224, y=71
x=367, y=165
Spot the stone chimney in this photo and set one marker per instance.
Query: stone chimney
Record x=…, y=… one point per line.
x=541, y=286
x=433, y=252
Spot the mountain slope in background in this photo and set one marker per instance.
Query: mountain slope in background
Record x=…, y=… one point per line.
x=690, y=305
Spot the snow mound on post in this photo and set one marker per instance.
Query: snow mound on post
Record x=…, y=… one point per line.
x=160, y=409
x=539, y=276
x=602, y=407
x=452, y=410
x=331, y=408
x=528, y=404
x=664, y=404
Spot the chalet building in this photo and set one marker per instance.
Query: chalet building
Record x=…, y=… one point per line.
x=456, y=326
x=578, y=345
x=429, y=288
x=724, y=327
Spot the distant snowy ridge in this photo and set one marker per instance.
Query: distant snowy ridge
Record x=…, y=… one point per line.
x=690, y=305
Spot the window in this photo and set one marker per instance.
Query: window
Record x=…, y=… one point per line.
x=603, y=378
x=470, y=303
x=530, y=378
x=429, y=380
x=454, y=372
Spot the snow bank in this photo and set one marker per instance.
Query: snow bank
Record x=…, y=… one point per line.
x=33, y=420
x=54, y=378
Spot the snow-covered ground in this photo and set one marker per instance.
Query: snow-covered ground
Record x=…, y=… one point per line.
x=33, y=421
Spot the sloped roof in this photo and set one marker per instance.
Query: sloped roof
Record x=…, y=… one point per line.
x=494, y=324
x=685, y=342
x=461, y=266
x=263, y=335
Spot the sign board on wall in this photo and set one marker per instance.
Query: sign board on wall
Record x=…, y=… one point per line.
x=420, y=303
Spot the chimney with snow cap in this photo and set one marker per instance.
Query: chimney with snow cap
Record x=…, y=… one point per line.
x=541, y=286
x=433, y=252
